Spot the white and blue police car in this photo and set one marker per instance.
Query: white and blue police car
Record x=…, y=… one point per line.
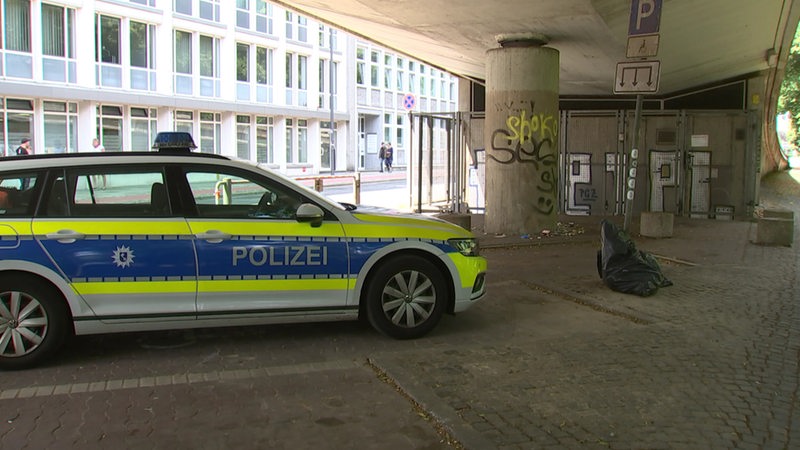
x=137, y=241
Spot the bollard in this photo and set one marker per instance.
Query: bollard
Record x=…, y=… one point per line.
x=357, y=187
x=318, y=184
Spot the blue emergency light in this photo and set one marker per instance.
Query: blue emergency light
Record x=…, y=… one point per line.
x=174, y=141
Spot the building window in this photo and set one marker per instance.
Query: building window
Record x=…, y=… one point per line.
x=184, y=121
x=325, y=83
x=360, y=80
x=209, y=10
x=373, y=69
x=387, y=128
x=142, y=46
x=243, y=136
x=150, y=3
x=183, y=62
x=296, y=79
x=289, y=141
x=327, y=37
x=401, y=75
x=399, y=142
x=302, y=29
x=243, y=13
x=209, y=66
x=264, y=17
x=206, y=9
x=183, y=7
x=107, y=51
x=210, y=131
x=60, y=127
x=289, y=25
x=144, y=125
x=302, y=141
x=58, y=44
x=242, y=62
x=16, y=123
x=264, y=76
x=109, y=127
x=296, y=27
x=16, y=16
x=265, y=140
x=243, y=76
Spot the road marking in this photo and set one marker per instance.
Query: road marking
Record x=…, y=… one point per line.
x=177, y=379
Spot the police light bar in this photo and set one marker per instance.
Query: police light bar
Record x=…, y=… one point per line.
x=174, y=140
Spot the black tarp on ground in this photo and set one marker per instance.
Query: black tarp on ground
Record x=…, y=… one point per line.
x=625, y=269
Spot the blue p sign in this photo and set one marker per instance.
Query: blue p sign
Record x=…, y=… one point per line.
x=645, y=17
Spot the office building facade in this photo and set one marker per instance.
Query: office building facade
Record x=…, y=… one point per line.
x=247, y=78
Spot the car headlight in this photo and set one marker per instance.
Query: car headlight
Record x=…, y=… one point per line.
x=467, y=247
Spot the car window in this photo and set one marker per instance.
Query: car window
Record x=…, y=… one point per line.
x=122, y=193
x=16, y=193
x=228, y=195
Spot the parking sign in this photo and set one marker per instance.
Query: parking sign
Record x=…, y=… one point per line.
x=645, y=17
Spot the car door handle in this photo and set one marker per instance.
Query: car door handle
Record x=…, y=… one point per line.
x=65, y=236
x=213, y=236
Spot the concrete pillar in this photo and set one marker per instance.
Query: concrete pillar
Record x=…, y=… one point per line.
x=521, y=135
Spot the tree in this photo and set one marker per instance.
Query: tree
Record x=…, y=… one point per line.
x=789, y=99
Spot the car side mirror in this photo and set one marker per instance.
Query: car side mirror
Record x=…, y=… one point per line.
x=311, y=214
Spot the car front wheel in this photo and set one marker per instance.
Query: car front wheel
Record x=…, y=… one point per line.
x=406, y=297
x=33, y=322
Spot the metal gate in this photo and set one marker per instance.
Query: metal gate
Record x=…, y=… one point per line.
x=437, y=163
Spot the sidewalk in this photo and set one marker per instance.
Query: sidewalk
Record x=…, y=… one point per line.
x=346, y=178
x=558, y=360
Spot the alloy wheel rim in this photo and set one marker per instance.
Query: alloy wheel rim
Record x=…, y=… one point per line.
x=408, y=299
x=23, y=324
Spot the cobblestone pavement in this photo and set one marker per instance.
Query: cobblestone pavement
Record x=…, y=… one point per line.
x=551, y=359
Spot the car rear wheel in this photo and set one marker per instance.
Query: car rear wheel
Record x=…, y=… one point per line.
x=406, y=297
x=33, y=322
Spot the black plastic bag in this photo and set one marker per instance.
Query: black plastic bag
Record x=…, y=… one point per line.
x=625, y=269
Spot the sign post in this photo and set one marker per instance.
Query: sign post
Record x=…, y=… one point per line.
x=639, y=76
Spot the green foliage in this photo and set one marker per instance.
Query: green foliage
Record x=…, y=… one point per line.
x=789, y=99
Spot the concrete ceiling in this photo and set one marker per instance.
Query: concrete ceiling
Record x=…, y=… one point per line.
x=702, y=42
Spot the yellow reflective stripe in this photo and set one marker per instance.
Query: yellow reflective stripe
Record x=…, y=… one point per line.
x=6, y=230
x=266, y=227
x=274, y=285
x=468, y=267
x=134, y=287
x=403, y=232
x=113, y=227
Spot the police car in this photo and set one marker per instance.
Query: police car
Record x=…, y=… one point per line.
x=135, y=241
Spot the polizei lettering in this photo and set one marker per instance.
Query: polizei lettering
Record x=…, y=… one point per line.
x=260, y=255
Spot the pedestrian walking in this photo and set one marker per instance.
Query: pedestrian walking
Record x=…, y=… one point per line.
x=24, y=147
x=388, y=156
x=382, y=154
x=98, y=147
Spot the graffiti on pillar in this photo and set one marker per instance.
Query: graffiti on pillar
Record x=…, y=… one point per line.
x=529, y=137
x=581, y=194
